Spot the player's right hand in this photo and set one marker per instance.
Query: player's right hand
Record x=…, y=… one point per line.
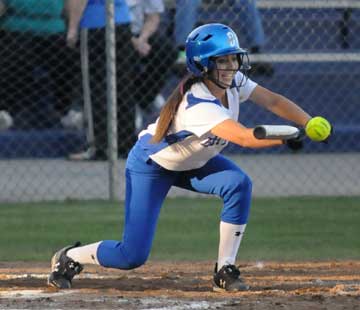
x=296, y=144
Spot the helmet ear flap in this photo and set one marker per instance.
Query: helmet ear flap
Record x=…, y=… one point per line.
x=209, y=64
x=199, y=66
x=212, y=64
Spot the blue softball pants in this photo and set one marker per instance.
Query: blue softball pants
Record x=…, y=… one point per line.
x=147, y=185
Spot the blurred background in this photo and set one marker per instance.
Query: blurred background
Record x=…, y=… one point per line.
x=55, y=90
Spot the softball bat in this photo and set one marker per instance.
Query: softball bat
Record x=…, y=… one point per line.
x=282, y=132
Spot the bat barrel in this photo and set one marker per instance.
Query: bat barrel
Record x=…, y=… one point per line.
x=276, y=132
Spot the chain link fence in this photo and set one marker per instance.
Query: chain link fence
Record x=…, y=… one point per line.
x=54, y=93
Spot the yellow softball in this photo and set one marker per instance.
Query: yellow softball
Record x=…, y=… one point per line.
x=318, y=129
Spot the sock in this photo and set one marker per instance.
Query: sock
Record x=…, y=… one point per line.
x=230, y=238
x=85, y=254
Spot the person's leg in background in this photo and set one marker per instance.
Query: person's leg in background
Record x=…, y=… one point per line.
x=64, y=66
x=125, y=77
x=186, y=17
x=97, y=77
x=97, y=81
x=254, y=33
x=94, y=42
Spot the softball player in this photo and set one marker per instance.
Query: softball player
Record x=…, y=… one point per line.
x=183, y=149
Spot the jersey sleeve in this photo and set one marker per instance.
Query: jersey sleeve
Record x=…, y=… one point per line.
x=201, y=118
x=246, y=89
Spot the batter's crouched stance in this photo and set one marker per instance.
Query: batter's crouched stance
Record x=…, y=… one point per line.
x=183, y=149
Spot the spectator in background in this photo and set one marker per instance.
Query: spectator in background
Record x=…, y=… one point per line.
x=155, y=53
x=36, y=68
x=89, y=17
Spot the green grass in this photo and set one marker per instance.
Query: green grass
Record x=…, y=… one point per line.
x=279, y=229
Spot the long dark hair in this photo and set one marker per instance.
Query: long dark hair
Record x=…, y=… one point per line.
x=171, y=106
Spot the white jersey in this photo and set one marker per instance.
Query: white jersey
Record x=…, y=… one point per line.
x=189, y=143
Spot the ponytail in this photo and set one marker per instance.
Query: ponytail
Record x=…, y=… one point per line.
x=171, y=106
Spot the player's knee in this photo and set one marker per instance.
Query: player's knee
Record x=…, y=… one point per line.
x=116, y=254
x=247, y=183
x=237, y=200
x=136, y=261
x=239, y=182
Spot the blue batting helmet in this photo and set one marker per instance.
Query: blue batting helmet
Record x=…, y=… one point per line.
x=210, y=40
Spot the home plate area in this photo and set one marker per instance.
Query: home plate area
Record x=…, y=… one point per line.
x=186, y=285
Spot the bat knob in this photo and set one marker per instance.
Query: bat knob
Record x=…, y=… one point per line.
x=260, y=132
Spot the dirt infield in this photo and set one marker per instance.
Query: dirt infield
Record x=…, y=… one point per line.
x=181, y=285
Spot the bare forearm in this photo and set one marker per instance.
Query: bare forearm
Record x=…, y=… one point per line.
x=279, y=105
x=150, y=26
x=236, y=133
x=287, y=109
x=74, y=10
